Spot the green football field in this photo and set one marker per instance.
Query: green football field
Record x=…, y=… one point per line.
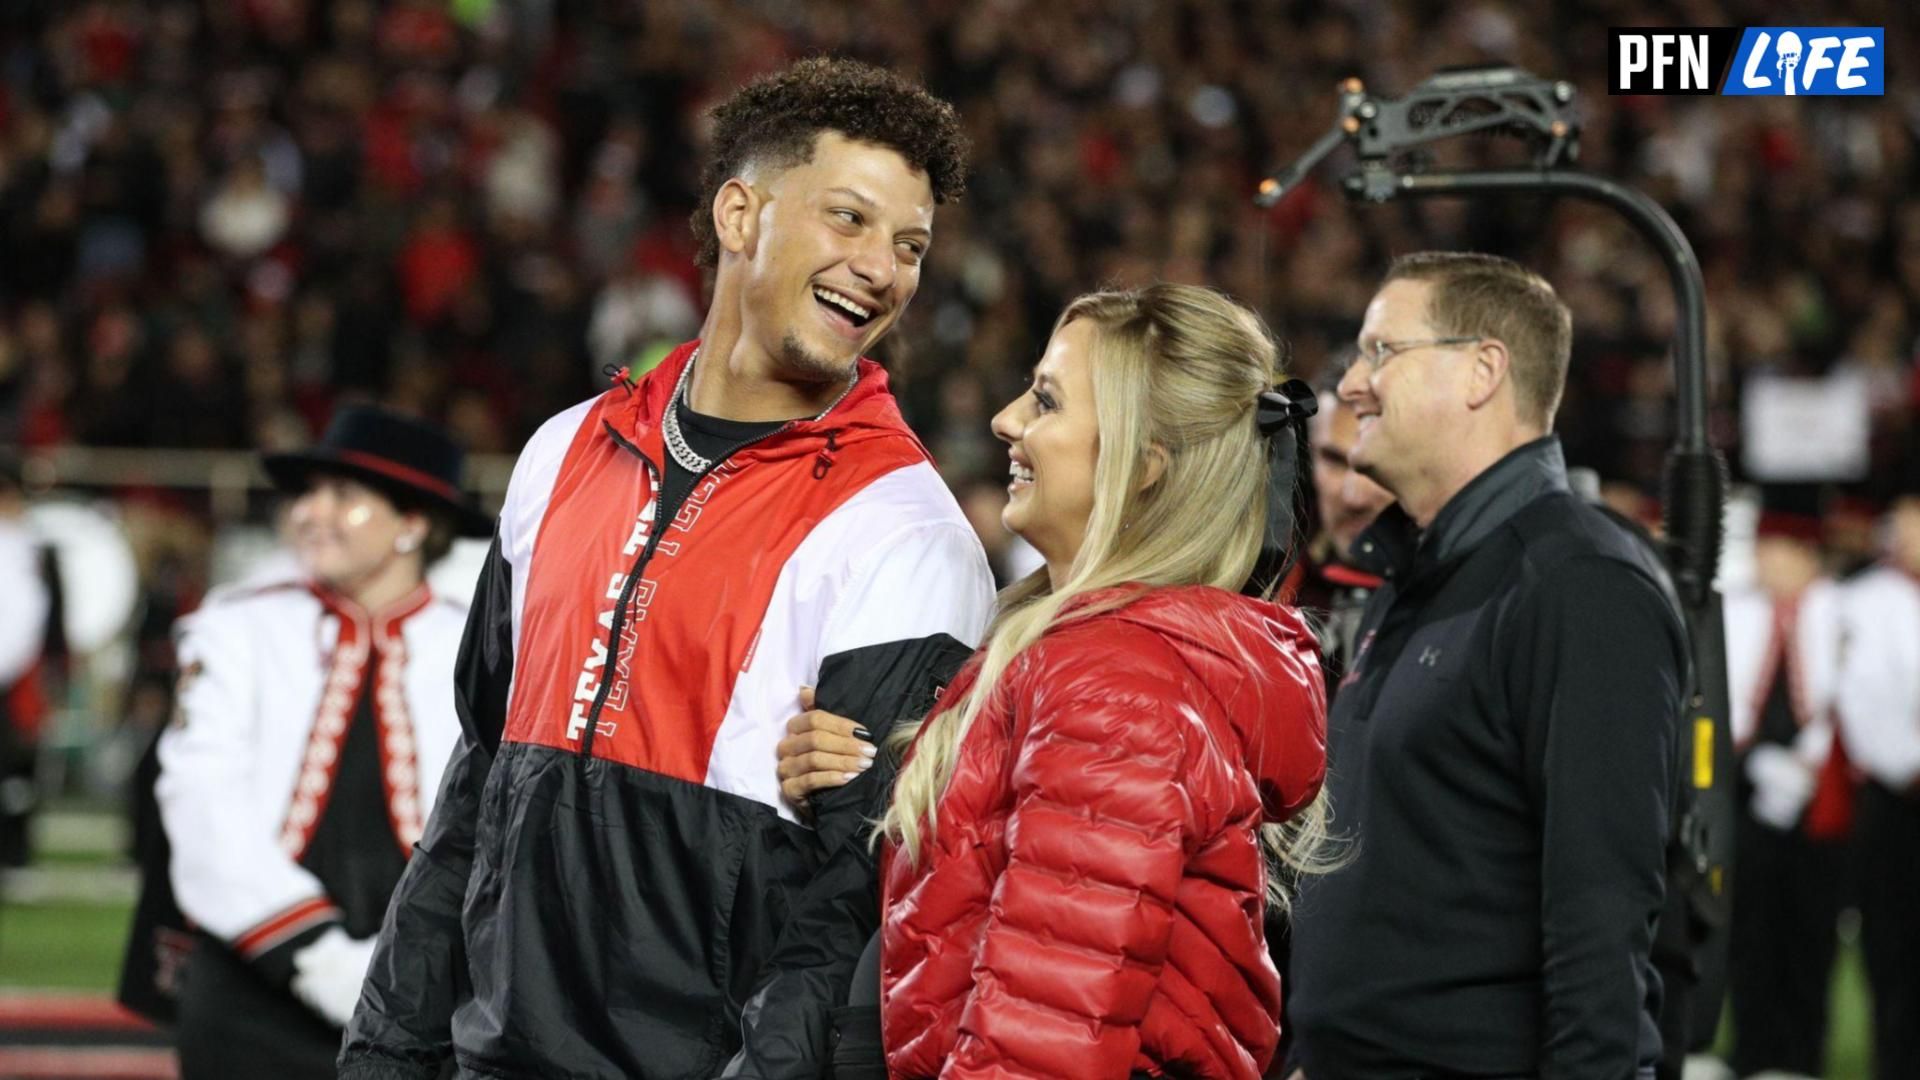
x=62, y=946
x=76, y=946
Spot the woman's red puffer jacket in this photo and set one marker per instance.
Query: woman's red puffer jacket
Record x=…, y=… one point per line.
x=1091, y=903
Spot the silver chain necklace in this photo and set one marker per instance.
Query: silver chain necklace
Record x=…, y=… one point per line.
x=683, y=454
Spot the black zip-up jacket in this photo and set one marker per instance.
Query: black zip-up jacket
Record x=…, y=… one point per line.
x=1502, y=756
x=610, y=875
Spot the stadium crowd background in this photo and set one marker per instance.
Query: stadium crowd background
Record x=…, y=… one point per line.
x=222, y=218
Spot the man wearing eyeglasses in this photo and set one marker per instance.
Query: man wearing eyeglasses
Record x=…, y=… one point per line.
x=1502, y=751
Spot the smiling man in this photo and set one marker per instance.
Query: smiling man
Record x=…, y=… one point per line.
x=1504, y=741
x=613, y=873
x=1347, y=502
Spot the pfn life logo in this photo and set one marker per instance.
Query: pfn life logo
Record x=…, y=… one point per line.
x=1791, y=61
x=1810, y=60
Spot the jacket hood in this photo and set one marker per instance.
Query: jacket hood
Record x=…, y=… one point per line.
x=1262, y=663
x=868, y=411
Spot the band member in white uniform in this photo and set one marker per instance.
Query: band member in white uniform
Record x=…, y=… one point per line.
x=1880, y=720
x=314, y=717
x=26, y=583
x=1783, y=654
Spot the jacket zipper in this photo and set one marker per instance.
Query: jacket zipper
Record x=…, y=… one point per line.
x=663, y=519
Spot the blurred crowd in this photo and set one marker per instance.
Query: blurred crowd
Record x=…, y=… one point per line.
x=224, y=217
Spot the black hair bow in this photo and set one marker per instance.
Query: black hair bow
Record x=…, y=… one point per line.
x=1284, y=404
x=1282, y=413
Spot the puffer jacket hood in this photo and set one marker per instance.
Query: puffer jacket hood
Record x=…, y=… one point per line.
x=1091, y=901
x=1257, y=658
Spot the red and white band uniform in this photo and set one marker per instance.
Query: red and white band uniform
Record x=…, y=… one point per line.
x=1879, y=700
x=1795, y=792
x=1799, y=639
x=268, y=854
x=1879, y=691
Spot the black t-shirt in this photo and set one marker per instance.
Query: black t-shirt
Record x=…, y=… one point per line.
x=1777, y=724
x=712, y=438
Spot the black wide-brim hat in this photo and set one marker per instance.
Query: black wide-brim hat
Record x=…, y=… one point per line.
x=396, y=454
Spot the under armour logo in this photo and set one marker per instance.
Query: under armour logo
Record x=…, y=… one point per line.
x=1430, y=656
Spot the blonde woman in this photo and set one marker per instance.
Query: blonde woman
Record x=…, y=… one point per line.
x=1073, y=880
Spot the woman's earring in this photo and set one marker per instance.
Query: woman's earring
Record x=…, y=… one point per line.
x=405, y=545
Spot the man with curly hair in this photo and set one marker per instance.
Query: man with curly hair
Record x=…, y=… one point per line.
x=611, y=884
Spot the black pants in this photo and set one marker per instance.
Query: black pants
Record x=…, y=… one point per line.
x=1888, y=836
x=857, y=1054
x=19, y=798
x=234, y=1024
x=1787, y=895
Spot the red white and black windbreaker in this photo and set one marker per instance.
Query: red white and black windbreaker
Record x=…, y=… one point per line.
x=612, y=873
x=272, y=677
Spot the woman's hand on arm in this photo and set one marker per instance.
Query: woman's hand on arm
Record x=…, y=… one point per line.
x=822, y=750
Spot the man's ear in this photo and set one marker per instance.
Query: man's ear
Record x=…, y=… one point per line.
x=1154, y=466
x=1492, y=365
x=736, y=216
